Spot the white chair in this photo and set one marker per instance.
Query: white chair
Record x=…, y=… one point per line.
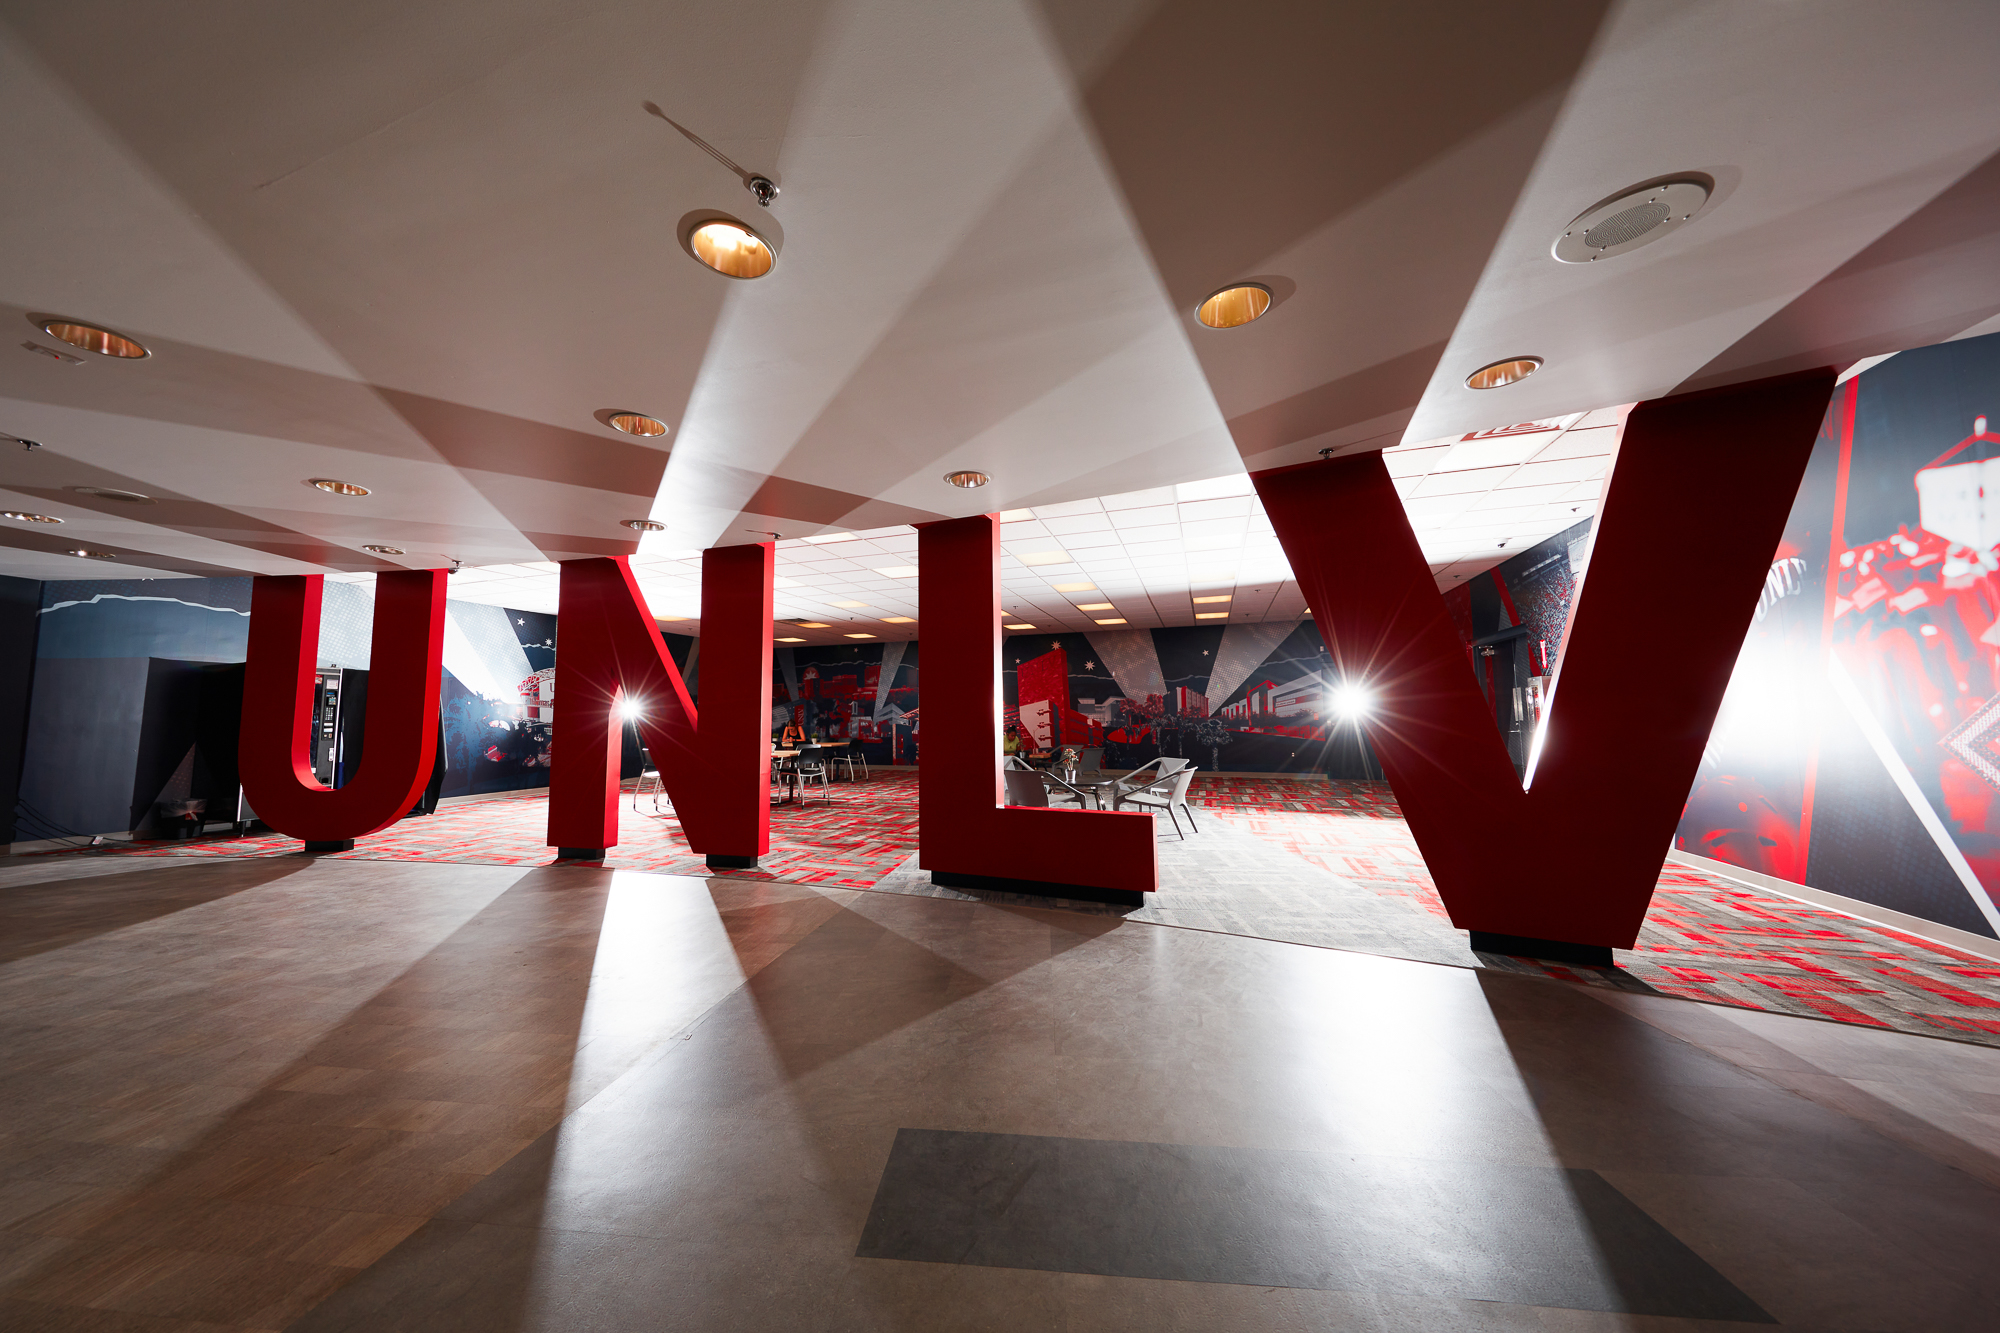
x=1143, y=776
x=1167, y=792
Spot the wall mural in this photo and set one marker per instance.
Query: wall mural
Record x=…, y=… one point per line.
x=1855, y=751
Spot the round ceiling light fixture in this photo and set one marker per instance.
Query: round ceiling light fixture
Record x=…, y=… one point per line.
x=731, y=249
x=332, y=487
x=20, y=517
x=1234, y=306
x=89, y=554
x=644, y=525
x=967, y=481
x=1632, y=218
x=384, y=550
x=90, y=338
x=108, y=493
x=636, y=423
x=1502, y=373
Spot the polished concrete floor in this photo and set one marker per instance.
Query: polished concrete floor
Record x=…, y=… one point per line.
x=342, y=1095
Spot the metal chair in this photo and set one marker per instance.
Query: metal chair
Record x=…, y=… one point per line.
x=1167, y=792
x=850, y=756
x=1027, y=786
x=808, y=767
x=647, y=770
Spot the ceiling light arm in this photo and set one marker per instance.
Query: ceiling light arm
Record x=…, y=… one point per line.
x=758, y=184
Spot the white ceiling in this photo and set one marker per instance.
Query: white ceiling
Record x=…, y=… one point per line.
x=424, y=246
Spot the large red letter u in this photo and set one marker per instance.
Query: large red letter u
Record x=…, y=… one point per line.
x=400, y=742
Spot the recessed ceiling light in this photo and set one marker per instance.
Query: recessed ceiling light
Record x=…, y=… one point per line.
x=1045, y=558
x=814, y=624
x=847, y=606
x=384, y=550
x=899, y=571
x=637, y=423
x=731, y=249
x=967, y=481
x=643, y=525
x=89, y=554
x=20, y=517
x=1094, y=606
x=1022, y=625
x=670, y=617
x=791, y=640
x=108, y=493
x=1234, y=306
x=1016, y=515
x=899, y=620
x=1111, y=622
x=1634, y=218
x=1076, y=587
x=1223, y=598
x=332, y=487
x=1211, y=615
x=859, y=636
x=826, y=537
x=90, y=338
x=1502, y=373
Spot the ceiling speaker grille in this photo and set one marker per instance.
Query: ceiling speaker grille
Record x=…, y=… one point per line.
x=1629, y=225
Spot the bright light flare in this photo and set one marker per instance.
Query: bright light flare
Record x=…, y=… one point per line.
x=1352, y=702
x=631, y=710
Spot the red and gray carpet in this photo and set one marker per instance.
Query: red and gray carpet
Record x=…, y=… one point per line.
x=1324, y=863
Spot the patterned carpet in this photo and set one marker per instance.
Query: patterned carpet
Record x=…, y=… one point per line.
x=1324, y=863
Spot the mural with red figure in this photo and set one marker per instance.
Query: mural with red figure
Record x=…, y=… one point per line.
x=1856, y=749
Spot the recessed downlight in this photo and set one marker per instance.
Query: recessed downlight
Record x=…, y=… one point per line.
x=967, y=481
x=1502, y=373
x=731, y=249
x=644, y=525
x=384, y=550
x=90, y=338
x=88, y=554
x=1630, y=219
x=20, y=517
x=333, y=487
x=1234, y=306
x=108, y=493
x=637, y=423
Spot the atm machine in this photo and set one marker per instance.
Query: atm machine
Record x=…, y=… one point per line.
x=326, y=725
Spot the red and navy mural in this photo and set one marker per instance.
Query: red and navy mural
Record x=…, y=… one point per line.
x=1856, y=748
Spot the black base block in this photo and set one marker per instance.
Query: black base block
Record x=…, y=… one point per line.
x=337, y=845
x=716, y=861
x=1087, y=893
x=1554, y=951
x=579, y=853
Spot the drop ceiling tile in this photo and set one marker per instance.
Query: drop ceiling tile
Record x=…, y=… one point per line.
x=1159, y=495
x=1145, y=516
x=1154, y=548
x=1460, y=483
x=1562, y=469
x=1064, y=527
x=1068, y=509
x=1196, y=510
x=1414, y=461
x=1580, y=443
x=1511, y=495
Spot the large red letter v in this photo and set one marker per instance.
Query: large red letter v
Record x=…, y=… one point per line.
x=716, y=766
x=399, y=744
x=1696, y=507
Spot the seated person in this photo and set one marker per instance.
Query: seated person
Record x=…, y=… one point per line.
x=794, y=734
